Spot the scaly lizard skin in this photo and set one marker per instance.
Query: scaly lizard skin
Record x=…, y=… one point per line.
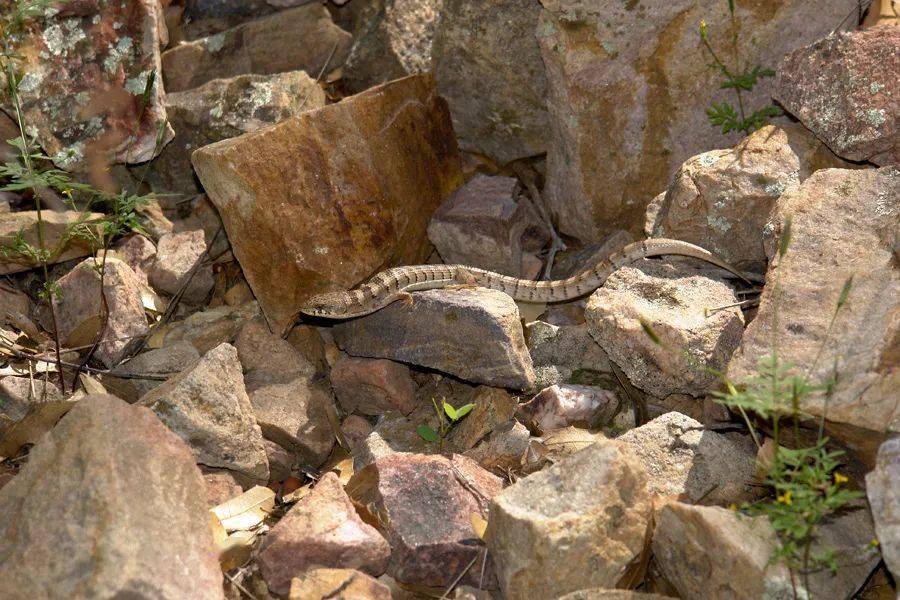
x=396, y=284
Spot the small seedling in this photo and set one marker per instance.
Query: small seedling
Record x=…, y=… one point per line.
x=448, y=417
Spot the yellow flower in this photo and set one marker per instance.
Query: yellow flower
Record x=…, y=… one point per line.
x=785, y=498
x=732, y=506
x=874, y=543
x=839, y=479
x=703, y=29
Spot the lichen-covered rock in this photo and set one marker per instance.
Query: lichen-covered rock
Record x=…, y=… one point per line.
x=482, y=225
x=391, y=39
x=177, y=255
x=55, y=228
x=629, y=85
x=584, y=520
x=844, y=223
x=207, y=406
x=685, y=462
x=222, y=109
x=844, y=87
x=672, y=300
x=336, y=193
x=298, y=39
x=126, y=478
x=322, y=529
x=86, y=70
x=424, y=505
x=79, y=308
x=373, y=386
x=488, y=66
x=721, y=200
x=472, y=334
x=707, y=551
x=883, y=489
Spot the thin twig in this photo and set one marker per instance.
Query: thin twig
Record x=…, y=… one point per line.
x=321, y=72
x=149, y=376
x=744, y=303
x=556, y=243
x=460, y=576
x=240, y=587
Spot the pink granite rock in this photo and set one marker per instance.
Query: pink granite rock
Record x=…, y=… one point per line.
x=373, y=386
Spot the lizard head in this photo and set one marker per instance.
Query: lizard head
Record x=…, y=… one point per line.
x=331, y=305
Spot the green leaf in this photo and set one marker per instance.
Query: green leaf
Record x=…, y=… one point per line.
x=464, y=410
x=451, y=412
x=650, y=333
x=845, y=292
x=427, y=433
x=731, y=6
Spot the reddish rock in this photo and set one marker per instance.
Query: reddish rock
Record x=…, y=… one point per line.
x=137, y=252
x=176, y=256
x=482, y=224
x=337, y=584
x=337, y=193
x=373, y=386
x=86, y=70
x=55, y=228
x=425, y=505
x=355, y=429
x=300, y=39
x=220, y=487
x=845, y=88
x=322, y=529
x=563, y=405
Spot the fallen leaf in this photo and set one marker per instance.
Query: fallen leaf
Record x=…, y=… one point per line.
x=236, y=549
x=38, y=420
x=246, y=511
x=479, y=525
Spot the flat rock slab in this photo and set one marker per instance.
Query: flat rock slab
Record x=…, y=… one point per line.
x=844, y=224
x=299, y=39
x=425, y=505
x=55, y=229
x=583, y=519
x=324, y=200
x=322, y=529
x=845, y=88
x=472, y=334
x=132, y=522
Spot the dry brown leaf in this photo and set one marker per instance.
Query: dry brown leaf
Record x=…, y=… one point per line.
x=90, y=384
x=236, y=549
x=40, y=418
x=152, y=302
x=246, y=511
x=479, y=524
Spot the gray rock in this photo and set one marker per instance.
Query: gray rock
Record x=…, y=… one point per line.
x=592, y=510
x=138, y=252
x=685, y=462
x=707, y=551
x=844, y=87
x=503, y=449
x=672, y=300
x=126, y=478
x=166, y=361
x=206, y=405
x=393, y=434
x=472, y=334
x=844, y=223
x=206, y=329
x=176, y=256
x=567, y=354
x=883, y=488
x=488, y=65
x=563, y=405
x=19, y=394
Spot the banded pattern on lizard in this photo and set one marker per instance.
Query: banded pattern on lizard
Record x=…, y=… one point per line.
x=396, y=284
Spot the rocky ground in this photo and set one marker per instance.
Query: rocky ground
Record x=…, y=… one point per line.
x=195, y=438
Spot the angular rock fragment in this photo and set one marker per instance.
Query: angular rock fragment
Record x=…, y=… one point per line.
x=472, y=334
x=222, y=109
x=685, y=462
x=18, y=394
x=629, y=84
x=503, y=450
x=425, y=506
x=721, y=200
x=80, y=310
x=392, y=150
x=503, y=115
x=55, y=229
x=221, y=486
x=672, y=300
x=601, y=594
x=707, y=551
x=206, y=405
x=564, y=354
x=164, y=362
x=207, y=329
x=355, y=429
x=177, y=255
x=844, y=87
x=86, y=70
x=138, y=252
x=340, y=584
x=482, y=225
x=883, y=488
x=322, y=529
x=493, y=407
x=563, y=405
x=373, y=386
x=393, y=434
x=299, y=39
x=592, y=508
x=126, y=478
x=843, y=224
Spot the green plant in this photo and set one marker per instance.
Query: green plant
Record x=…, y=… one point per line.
x=448, y=417
x=737, y=78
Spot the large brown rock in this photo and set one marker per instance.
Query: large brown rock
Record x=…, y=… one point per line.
x=845, y=88
x=86, y=69
x=299, y=39
x=721, y=200
x=425, y=506
x=629, y=85
x=488, y=65
x=584, y=520
x=844, y=223
x=322, y=529
x=127, y=479
x=326, y=199
x=55, y=226
x=472, y=334
x=222, y=109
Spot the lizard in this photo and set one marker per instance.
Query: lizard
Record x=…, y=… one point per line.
x=396, y=283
